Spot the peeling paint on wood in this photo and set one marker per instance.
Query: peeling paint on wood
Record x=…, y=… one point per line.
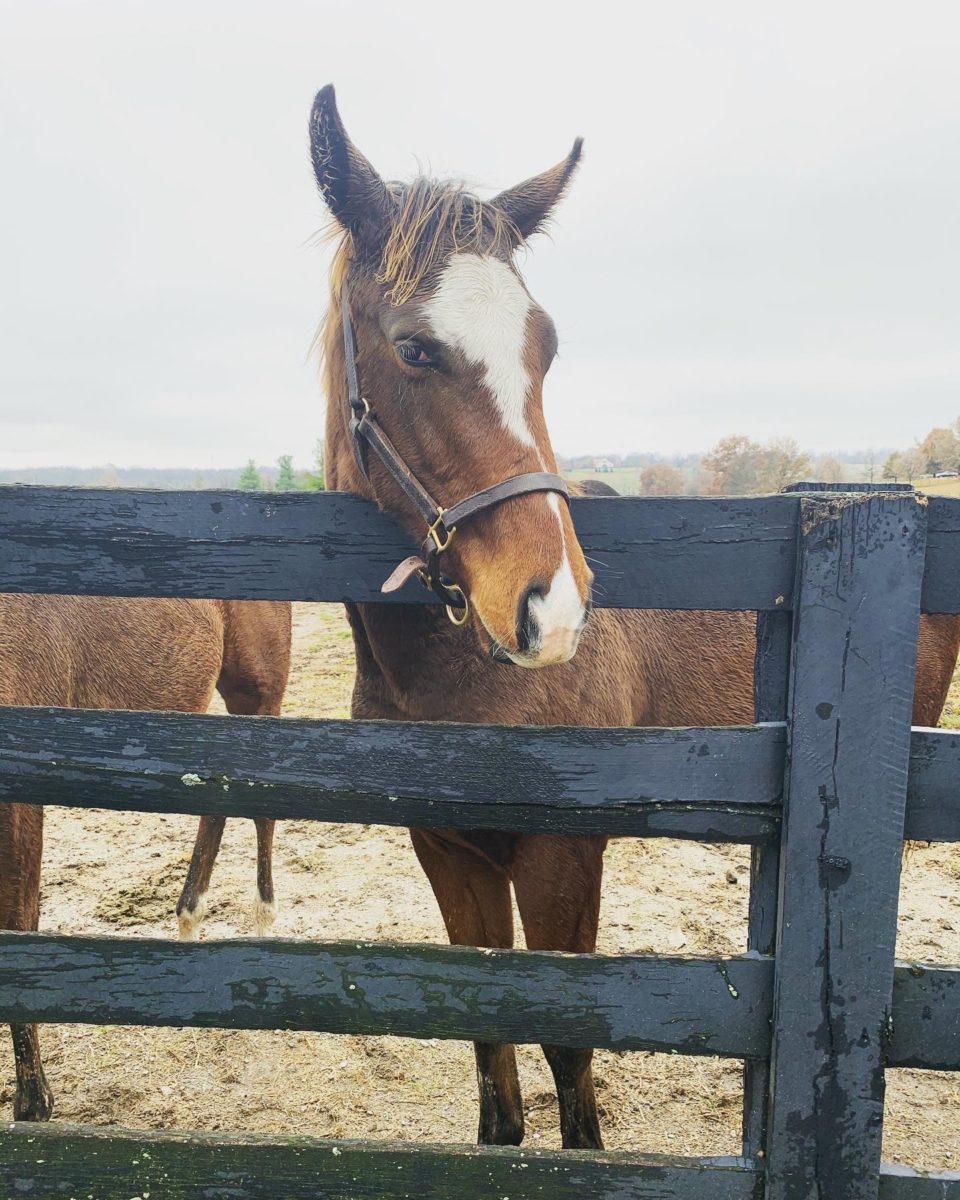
x=625, y=1002
x=856, y=617
x=109, y=1164
x=651, y=552
x=709, y=784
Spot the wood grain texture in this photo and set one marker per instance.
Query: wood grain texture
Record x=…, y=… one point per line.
x=903, y=1183
x=715, y=785
x=650, y=552
x=926, y=1017
x=941, y=580
x=771, y=676
x=646, y=552
x=110, y=1164
x=933, y=790
x=625, y=1002
x=855, y=628
x=57, y=1161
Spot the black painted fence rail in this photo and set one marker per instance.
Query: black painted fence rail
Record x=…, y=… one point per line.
x=648, y=552
x=624, y=1002
x=117, y=1164
x=120, y=1164
x=721, y=784
x=653, y=553
x=719, y=1007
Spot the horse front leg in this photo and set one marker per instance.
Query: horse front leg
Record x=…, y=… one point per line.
x=557, y=883
x=192, y=905
x=474, y=898
x=21, y=852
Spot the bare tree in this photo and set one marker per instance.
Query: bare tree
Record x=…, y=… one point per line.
x=660, y=479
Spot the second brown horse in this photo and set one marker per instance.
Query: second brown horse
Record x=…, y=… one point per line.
x=91, y=652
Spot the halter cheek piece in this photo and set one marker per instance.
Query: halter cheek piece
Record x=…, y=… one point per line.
x=442, y=523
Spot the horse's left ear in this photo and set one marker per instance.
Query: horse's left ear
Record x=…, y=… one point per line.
x=354, y=192
x=529, y=204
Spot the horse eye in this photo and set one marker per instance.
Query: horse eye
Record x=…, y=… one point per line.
x=414, y=354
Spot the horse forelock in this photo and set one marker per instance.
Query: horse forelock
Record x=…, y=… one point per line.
x=433, y=220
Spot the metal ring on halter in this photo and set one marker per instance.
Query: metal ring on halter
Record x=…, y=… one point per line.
x=455, y=617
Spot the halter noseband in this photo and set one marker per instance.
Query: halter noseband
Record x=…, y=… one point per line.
x=442, y=523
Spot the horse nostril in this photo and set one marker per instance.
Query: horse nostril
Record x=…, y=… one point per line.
x=528, y=631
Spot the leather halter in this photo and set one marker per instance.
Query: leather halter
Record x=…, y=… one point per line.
x=442, y=523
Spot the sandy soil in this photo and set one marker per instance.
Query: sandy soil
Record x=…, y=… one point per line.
x=112, y=873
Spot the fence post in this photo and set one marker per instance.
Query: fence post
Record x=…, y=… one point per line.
x=855, y=626
x=771, y=675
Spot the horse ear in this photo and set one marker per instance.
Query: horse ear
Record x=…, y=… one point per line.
x=530, y=203
x=352, y=190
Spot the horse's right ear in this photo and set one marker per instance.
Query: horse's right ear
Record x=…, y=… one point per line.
x=353, y=191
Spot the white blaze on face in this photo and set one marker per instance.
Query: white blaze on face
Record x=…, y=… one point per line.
x=481, y=309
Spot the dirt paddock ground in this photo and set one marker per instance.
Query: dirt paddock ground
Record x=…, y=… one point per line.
x=121, y=873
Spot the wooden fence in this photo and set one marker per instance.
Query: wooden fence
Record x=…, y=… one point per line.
x=824, y=788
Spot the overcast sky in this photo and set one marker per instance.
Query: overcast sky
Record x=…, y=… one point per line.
x=763, y=237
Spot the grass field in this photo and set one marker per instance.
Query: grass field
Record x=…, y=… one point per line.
x=938, y=487
x=625, y=480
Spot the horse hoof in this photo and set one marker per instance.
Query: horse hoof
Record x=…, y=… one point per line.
x=33, y=1103
x=264, y=916
x=501, y=1133
x=190, y=920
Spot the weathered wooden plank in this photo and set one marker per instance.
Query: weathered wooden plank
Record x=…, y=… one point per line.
x=716, y=785
x=653, y=552
x=941, y=580
x=933, y=788
x=610, y=780
x=855, y=628
x=903, y=1183
x=860, y=487
x=941, y=577
x=115, y=1164
x=771, y=676
x=926, y=1017
x=626, y=1002
x=646, y=552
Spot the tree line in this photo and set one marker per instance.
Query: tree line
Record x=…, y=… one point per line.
x=939, y=451
x=286, y=479
x=736, y=466
x=739, y=466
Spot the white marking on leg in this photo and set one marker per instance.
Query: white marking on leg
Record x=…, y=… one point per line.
x=191, y=920
x=480, y=308
x=264, y=915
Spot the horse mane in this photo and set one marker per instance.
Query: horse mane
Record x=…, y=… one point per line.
x=433, y=218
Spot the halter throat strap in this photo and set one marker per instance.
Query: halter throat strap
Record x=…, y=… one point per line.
x=367, y=434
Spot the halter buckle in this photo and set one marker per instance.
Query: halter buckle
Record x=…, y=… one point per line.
x=433, y=532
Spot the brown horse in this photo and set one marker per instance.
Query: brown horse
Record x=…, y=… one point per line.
x=452, y=352
x=90, y=652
